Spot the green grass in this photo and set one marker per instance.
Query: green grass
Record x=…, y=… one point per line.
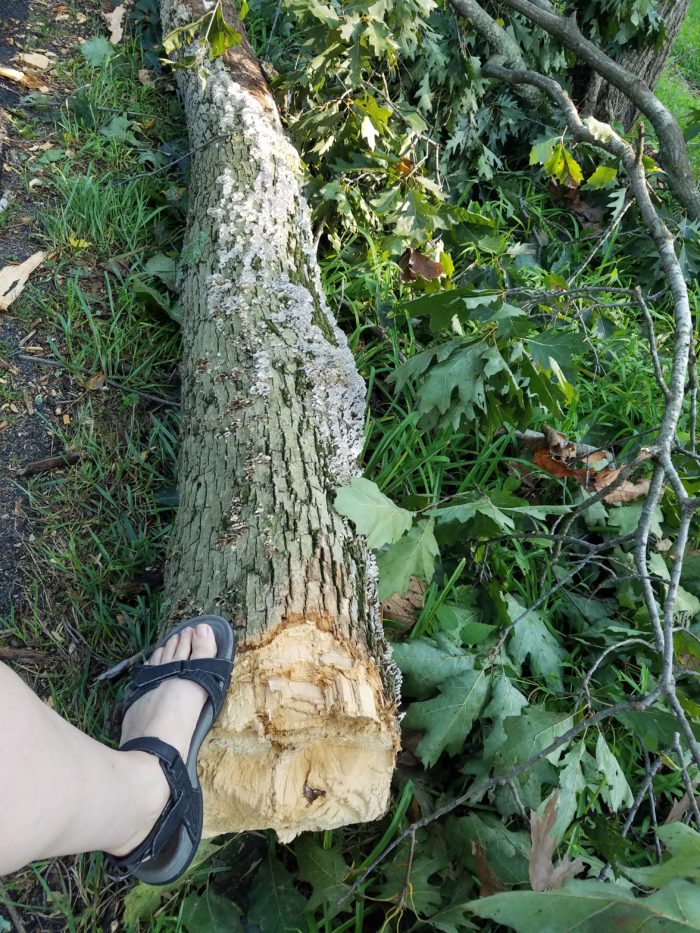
x=679, y=84
x=104, y=523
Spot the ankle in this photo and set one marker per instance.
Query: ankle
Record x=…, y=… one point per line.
x=147, y=794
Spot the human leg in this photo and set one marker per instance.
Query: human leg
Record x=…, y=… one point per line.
x=62, y=792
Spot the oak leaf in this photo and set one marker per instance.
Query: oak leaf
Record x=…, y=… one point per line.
x=414, y=264
x=544, y=874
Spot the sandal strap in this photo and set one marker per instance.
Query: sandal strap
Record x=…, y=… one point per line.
x=210, y=673
x=183, y=809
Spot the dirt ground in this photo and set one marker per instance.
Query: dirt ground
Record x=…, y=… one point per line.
x=32, y=396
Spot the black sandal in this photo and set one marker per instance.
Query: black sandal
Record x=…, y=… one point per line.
x=172, y=843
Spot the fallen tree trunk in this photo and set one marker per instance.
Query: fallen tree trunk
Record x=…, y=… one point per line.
x=271, y=424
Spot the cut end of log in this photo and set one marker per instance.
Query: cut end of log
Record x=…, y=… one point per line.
x=305, y=741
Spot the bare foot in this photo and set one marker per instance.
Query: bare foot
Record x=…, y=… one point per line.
x=168, y=712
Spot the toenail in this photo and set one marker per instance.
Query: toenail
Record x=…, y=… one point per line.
x=203, y=630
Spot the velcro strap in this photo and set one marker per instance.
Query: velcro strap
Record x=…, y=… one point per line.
x=183, y=809
x=185, y=800
x=209, y=673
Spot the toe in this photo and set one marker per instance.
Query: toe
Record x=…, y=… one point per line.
x=156, y=657
x=170, y=648
x=184, y=645
x=203, y=642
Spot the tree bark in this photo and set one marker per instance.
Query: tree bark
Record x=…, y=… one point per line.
x=606, y=102
x=272, y=423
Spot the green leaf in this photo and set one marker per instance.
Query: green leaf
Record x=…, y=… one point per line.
x=626, y=518
x=325, y=870
x=164, y=268
x=603, y=176
x=563, y=166
x=423, y=897
x=425, y=664
x=592, y=907
x=412, y=556
x=275, y=904
x=558, y=345
x=532, y=638
x=506, y=850
x=655, y=727
x=220, y=35
x=542, y=152
x=506, y=701
x=210, y=913
x=153, y=298
x=143, y=900
x=616, y=792
x=372, y=513
x=119, y=130
x=462, y=373
x=465, y=511
x=684, y=861
x=96, y=51
x=140, y=903
x=571, y=783
x=448, y=718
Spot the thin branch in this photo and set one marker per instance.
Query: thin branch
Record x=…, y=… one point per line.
x=114, y=383
x=692, y=803
x=652, y=808
x=478, y=790
x=673, y=154
x=652, y=342
x=11, y=909
x=633, y=810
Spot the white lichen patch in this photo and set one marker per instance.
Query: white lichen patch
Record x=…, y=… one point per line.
x=263, y=233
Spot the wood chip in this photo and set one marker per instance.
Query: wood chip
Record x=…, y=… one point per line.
x=36, y=60
x=20, y=77
x=115, y=21
x=28, y=401
x=14, y=278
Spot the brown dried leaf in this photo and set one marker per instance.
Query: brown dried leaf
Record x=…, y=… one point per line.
x=544, y=875
x=115, y=21
x=14, y=278
x=406, y=609
x=680, y=808
x=144, y=75
x=628, y=492
x=560, y=447
x=96, y=382
x=488, y=882
x=414, y=264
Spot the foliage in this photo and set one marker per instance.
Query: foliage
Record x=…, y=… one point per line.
x=531, y=322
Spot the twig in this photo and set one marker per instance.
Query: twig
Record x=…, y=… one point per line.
x=653, y=349
x=123, y=666
x=114, y=383
x=69, y=458
x=616, y=647
x=652, y=808
x=692, y=803
x=12, y=910
x=632, y=812
x=409, y=866
x=478, y=790
x=603, y=238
